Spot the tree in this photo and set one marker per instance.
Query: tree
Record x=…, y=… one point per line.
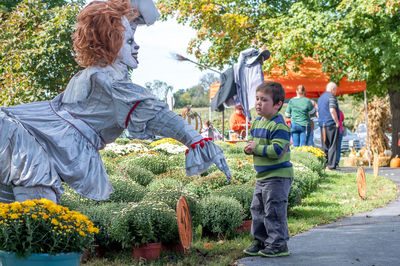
x=207, y=79
x=36, y=60
x=359, y=39
x=9, y=5
x=159, y=89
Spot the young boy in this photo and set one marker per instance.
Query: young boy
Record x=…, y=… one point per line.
x=269, y=144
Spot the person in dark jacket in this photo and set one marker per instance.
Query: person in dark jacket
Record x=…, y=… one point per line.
x=328, y=119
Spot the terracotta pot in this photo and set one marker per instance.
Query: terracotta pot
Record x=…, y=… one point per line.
x=245, y=227
x=176, y=247
x=95, y=251
x=150, y=251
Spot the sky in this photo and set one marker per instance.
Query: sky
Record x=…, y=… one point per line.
x=157, y=42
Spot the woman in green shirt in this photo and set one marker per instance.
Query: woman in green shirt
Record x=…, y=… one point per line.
x=299, y=110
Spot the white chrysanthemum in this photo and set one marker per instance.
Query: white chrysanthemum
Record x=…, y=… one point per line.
x=125, y=149
x=171, y=148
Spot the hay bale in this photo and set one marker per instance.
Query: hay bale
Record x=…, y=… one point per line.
x=350, y=161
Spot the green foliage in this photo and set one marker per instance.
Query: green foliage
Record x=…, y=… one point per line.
x=308, y=159
x=157, y=164
x=220, y=215
x=170, y=196
x=138, y=174
x=103, y=215
x=304, y=182
x=203, y=185
x=126, y=190
x=73, y=200
x=108, y=154
x=242, y=193
x=122, y=141
x=146, y=222
x=36, y=60
x=133, y=226
x=110, y=165
x=9, y=5
x=178, y=175
x=242, y=170
x=166, y=182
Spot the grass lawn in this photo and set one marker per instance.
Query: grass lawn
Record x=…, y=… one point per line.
x=336, y=197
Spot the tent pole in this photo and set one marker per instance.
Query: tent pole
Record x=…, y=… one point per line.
x=366, y=123
x=223, y=118
x=247, y=129
x=209, y=112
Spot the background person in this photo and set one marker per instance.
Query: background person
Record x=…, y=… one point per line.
x=299, y=110
x=271, y=157
x=237, y=121
x=341, y=119
x=328, y=120
x=310, y=140
x=209, y=131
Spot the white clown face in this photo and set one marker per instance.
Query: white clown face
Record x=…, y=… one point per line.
x=129, y=50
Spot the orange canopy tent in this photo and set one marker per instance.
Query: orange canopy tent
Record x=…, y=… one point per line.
x=310, y=75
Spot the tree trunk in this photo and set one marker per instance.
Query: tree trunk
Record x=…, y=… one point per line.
x=394, y=95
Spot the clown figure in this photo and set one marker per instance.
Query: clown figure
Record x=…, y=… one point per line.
x=43, y=144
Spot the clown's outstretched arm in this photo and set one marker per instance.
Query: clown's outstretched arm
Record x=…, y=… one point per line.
x=202, y=152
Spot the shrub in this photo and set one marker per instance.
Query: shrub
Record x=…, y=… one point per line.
x=203, y=185
x=168, y=183
x=170, y=196
x=110, y=165
x=231, y=148
x=220, y=214
x=155, y=163
x=122, y=141
x=304, y=182
x=146, y=222
x=308, y=159
x=108, y=154
x=242, y=169
x=126, y=190
x=103, y=215
x=73, y=200
x=138, y=174
x=132, y=226
x=241, y=192
x=178, y=175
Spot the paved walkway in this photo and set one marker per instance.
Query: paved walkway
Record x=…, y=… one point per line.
x=370, y=238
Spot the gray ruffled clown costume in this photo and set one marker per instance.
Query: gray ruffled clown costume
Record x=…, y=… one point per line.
x=43, y=144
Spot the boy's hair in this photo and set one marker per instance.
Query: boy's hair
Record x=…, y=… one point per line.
x=274, y=89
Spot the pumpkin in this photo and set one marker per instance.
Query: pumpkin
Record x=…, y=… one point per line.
x=395, y=162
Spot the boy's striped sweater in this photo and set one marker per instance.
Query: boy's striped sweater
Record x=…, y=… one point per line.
x=273, y=138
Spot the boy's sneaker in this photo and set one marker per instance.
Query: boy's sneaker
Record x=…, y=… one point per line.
x=255, y=247
x=274, y=252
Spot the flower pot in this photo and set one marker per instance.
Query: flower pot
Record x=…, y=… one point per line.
x=150, y=251
x=40, y=259
x=94, y=251
x=245, y=227
x=176, y=247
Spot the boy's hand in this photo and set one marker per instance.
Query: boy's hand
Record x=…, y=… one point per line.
x=249, y=148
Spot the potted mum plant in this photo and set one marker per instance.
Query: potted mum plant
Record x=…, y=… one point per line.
x=40, y=232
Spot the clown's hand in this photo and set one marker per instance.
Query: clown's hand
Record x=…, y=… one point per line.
x=202, y=154
x=223, y=166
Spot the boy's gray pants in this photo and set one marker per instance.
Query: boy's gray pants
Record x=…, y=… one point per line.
x=269, y=211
